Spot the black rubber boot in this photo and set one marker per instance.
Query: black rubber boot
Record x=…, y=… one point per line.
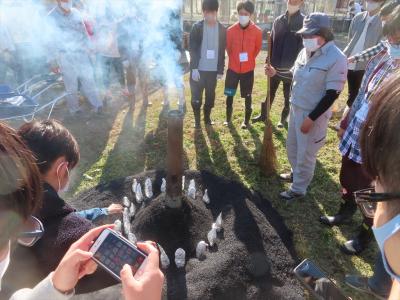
x=247, y=114
x=207, y=116
x=263, y=114
x=229, y=111
x=360, y=242
x=197, y=118
x=346, y=211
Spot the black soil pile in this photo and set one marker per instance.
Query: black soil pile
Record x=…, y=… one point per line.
x=254, y=255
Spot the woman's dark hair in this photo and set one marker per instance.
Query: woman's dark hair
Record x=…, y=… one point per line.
x=20, y=184
x=49, y=140
x=380, y=138
x=351, y=3
x=247, y=6
x=210, y=5
x=327, y=34
x=388, y=8
x=392, y=25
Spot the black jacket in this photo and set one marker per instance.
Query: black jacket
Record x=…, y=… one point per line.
x=196, y=38
x=286, y=44
x=62, y=227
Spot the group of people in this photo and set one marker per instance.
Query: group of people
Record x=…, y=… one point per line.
x=36, y=161
x=313, y=71
x=93, y=44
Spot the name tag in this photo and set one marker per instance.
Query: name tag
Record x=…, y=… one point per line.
x=210, y=54
x=243, y=57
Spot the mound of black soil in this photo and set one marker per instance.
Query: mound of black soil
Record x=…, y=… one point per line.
x=253, y=258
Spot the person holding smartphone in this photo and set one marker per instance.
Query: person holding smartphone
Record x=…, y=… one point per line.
x=20, y=195
x=57, y=154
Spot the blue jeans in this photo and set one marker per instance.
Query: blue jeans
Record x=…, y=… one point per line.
x=380, y=282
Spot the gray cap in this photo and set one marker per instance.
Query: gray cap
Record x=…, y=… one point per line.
x=314, y=22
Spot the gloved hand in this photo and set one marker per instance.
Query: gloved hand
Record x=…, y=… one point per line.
x=220, y=76
x=195, y=75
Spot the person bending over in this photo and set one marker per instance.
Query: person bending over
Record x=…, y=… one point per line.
x=20, y=196
x=57, y=154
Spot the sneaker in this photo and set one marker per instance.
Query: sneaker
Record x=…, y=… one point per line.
x=280, y=125
x=290, y=196
x=352, y=247
x=360, y=284
x=244, y=125
x=286, y=177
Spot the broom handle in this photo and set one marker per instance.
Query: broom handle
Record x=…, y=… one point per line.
x=268, y=103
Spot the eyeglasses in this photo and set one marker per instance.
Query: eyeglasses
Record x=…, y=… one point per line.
x=368, y=198
x=31, y=232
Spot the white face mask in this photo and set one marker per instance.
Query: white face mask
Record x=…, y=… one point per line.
x=67, y=6
x=372, y=6
x=244, y=20
x=293, y=8
x=311, y=45
x=66, y=187
x=393, y=51
x=4, y=264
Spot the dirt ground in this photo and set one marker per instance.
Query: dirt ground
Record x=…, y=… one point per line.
x=253, y=258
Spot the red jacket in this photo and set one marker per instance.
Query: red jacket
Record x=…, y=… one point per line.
x=239, y=40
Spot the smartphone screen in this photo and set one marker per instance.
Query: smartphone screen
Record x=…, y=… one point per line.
x=317, y=281
x=114, y=252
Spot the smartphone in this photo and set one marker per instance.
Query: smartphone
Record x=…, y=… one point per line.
x=112, y=251
x=317, y=282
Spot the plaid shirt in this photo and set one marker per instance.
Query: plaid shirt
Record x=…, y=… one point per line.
x=369, y=53
x=350, y=144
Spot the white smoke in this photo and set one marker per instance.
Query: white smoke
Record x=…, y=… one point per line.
x=155, y=29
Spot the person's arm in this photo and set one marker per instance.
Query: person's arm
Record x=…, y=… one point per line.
x=44, y=290
x=93, y=213
x=323, y=105
x=228, y=43
x=222, y=47
x=258, y=43
x=335, y=80
x=395, y=292
x=367, y=54
x=194, y=48
x=76, y=264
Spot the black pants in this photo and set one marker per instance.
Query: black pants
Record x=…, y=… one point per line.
x=106, y=63
x=287, y=83
x=354, y=79
x=207, y=83
x=353, y=178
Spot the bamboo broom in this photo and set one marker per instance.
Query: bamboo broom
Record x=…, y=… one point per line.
x=268, y=161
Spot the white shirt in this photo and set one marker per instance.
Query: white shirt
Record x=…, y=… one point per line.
x=359, y=47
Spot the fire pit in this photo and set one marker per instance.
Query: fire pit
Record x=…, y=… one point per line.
x=253, y=255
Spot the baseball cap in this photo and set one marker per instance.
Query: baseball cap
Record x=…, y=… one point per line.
x=314, y=22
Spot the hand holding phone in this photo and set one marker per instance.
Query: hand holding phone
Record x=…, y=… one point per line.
x=112, y=251
x=317, y=282
x=148, y=285
x=77, y=262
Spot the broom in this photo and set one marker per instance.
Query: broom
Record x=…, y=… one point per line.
x=268, y=161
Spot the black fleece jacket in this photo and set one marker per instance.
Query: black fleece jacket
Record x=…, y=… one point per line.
x=62, y=227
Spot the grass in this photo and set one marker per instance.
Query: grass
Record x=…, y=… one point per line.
x=123, y=143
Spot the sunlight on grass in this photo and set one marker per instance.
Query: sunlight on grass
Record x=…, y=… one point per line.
x=137, y=143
